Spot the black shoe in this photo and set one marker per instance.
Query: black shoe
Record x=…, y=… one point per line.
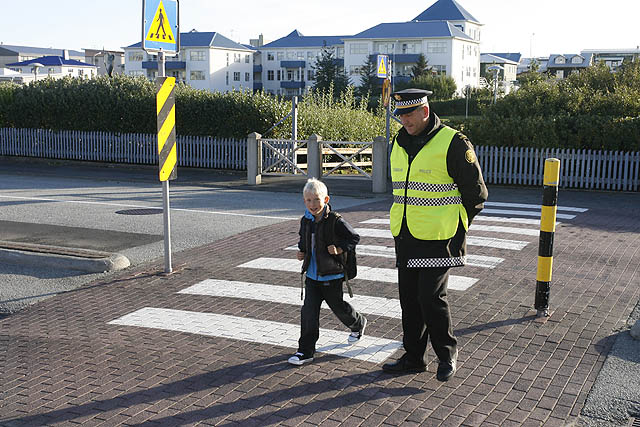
x=446, y=369
x=404, y=366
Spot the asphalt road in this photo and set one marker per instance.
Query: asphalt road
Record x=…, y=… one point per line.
x=119, y=210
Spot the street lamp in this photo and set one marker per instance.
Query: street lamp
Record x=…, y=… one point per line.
x=496, y=69
x=36, y=65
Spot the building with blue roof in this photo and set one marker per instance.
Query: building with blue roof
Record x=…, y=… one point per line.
x=562, y=65
x=207, y=60
x=14, y=53
x=52, y=66
x=445, y=33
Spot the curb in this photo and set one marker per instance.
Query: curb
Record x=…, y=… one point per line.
x=59, y=257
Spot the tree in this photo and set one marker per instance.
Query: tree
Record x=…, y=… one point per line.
x=327, y=71
x=369, y=81
x=420, y=68
x=442, y=86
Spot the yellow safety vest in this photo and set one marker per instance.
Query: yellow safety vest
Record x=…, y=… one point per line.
x=424, y=191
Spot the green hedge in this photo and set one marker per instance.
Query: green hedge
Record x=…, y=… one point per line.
x=125, y=104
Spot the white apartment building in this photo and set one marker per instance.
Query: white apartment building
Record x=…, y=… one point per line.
x=207, y=60
x=446, y=34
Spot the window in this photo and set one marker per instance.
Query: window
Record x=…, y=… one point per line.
x=270, y=74
x=559, y=60
x=310, y=75
x=340, y=53
x=236, y=76
x=439, y=69
x=279, y=75
x=358, y=48
x=468, y=71
x=577, y=60
x=384, y=47
x=291, y=54
x=311, y=55
x=289, y=74
x=247, y=77
x=227, y=59
x=236, y=57
x=437, y=47
x=135, y=56
x=81, y=72
x=197, y=55
x=136, y=73
x=247, y=59
x=270, y=56
x=408, y=47
x=196, y=75
x=462, y=52
x=280, y=56
x=354, y=69
x=300, y=55
x=227, y=78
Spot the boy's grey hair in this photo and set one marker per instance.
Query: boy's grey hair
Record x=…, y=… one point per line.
x=315, y=186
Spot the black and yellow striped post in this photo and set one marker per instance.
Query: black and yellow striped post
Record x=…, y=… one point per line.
x=167, y=157
x=547, y=230
x=166, y=111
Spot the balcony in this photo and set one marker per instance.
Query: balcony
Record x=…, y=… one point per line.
x=292, y=85
x=257, y=68
x=292, y=64
x=399, y=58
x=257, y=86
x=168, y=65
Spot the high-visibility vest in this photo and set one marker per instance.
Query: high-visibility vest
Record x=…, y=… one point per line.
x=424, y=191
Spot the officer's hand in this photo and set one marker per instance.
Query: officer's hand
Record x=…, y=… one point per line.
x=333, y=250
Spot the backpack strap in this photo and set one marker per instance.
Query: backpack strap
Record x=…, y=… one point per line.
x=332, y=230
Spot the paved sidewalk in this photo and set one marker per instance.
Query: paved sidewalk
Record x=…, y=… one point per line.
x=67, y=360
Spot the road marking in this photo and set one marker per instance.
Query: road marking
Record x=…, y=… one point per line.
x=387, y=252
x=532, y=206
x=524, y=213
x=386, y=307
x=514, y=220
x=387, y=275
x=370, y=349
x=492, y=228
x=120, y=205
x=471, y=240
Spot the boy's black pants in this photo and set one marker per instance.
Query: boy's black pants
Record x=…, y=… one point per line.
x=425, y=312
x=315, y=293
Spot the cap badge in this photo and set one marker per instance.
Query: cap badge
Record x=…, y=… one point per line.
x=397, y=97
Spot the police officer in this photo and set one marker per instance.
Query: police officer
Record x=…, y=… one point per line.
x=437, y=190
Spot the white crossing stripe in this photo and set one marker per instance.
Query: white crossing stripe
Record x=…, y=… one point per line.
x=515, y=220
x=524, y=213
x=387, y=252
x=386, y=307
x=368, y=348
x=387, y=275
x=471, y=240
x=532, y=206
x=508, y=230
x=493, y=228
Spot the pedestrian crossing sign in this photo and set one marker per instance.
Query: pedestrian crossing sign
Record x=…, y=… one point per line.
x=160, y=26
x=383, y=66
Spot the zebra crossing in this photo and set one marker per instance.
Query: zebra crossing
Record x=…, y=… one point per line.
x=369, y=348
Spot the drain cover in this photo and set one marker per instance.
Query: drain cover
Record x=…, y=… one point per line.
x=150, y=211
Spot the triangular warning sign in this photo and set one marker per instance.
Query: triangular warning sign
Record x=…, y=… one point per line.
x=381, y=67
x=160, y=30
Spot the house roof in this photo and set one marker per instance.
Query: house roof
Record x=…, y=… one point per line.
x=586, y=61
x=493, y=58
x=445, y=10
x=7, y=49
x=515, y=57
x=203, y=39
x=424, y=29
x=296, y=39
x=51, y=61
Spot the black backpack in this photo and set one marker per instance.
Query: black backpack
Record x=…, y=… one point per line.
x=350, y=264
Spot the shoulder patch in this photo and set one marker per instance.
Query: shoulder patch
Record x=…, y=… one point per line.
x=470, y=156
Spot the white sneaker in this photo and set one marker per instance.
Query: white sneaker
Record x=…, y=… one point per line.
x=355, y=336
x=299, y=359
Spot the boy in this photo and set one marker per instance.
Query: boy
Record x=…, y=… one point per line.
x=323, y=257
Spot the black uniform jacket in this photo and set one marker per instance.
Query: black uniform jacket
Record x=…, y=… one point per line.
x=467, y=176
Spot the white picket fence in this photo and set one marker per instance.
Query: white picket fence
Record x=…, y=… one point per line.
x=588, y=169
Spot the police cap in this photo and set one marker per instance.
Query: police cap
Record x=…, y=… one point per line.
x=408, y=100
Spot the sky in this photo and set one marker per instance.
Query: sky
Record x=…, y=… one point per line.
x=530, y=27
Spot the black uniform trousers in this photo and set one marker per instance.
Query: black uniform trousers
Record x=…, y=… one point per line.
x=425, y=312
x=315, y=293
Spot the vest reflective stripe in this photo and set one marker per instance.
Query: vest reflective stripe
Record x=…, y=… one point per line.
x=419, y=201
x=421, y=186
x=424, y=192
x=458, y=261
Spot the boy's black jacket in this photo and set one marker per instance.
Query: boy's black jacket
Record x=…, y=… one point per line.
x=345, y=238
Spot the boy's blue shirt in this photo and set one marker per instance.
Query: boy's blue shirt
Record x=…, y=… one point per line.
x=312, y=270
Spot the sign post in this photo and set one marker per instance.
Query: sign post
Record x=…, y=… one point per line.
x=161, y=34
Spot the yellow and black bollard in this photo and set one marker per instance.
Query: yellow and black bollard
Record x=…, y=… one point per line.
x=547, y=230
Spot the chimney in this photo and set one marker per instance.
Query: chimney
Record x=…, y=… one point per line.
x=65, y=54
